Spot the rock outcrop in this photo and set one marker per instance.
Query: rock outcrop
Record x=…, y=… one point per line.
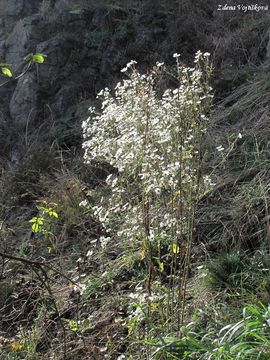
x=87, y=43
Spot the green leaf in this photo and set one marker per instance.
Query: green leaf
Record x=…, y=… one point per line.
x=35, y=228
x=39, y=58
x=160, y=265
x=6, y=71
x=54, y=214
x=72, y=325
x=175, y=249
x=40, y=221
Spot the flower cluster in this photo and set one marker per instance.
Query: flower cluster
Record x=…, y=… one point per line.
x=153, y=141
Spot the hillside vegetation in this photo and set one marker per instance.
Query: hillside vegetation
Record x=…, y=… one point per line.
x=134, y=186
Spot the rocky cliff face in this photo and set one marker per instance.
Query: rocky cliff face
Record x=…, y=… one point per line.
x=87, y=44
x=52, y=29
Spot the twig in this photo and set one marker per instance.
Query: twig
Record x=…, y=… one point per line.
x=18, y=76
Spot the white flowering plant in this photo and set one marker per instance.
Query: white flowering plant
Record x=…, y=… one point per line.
x=153, y=141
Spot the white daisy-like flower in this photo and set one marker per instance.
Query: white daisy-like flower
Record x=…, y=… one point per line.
x=131, y=63
x=220, y=148
x=83, y=203
x=159, y=64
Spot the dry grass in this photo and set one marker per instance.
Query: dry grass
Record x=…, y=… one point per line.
x=236, y=213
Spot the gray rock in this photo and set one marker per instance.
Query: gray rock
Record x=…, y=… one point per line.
x=65, y=97
x=11, y=7
x=268, y=46
x=57, y=50
x=21, y=41
x=24, y=100
x=2, y=50
x=12, y=10
x=15, y=8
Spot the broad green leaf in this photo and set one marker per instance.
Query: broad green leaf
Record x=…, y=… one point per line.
x=6, y=71
x=51, y=213
x=54, y=214
x=160, y=265
x=35, y=228
x=39, y=58
x=175, y=249
x=40, y=221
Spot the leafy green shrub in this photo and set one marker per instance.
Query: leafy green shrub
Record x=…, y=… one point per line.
x=43, y=222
